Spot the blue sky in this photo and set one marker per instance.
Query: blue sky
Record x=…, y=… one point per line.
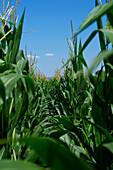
x=51, y=18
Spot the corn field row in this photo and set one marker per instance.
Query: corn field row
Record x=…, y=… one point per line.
x=67, y=122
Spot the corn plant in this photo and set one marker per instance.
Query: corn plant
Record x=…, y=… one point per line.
x=20, y=100
x=14, y=81
x=78, y=113
x=77, y=117
x=96, y=124
x=64, y=123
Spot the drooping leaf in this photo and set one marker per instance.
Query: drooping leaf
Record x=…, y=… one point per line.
x=107, y=32
x=96, y=13
x=109, y=146
x=105, y=54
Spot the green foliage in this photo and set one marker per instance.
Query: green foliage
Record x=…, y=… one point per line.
x=95, y=14
x=9, y=164
x=56, y=156
x=61, y=123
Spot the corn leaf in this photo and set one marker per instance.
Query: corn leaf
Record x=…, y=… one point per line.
x=17, y=165
x=109, y=146
x=55, y=155
x=9, y=82
x=17, y=39
x=96, y=13
x=105, y=54
x=2, y=92
x=107, y=32
x=101, y=35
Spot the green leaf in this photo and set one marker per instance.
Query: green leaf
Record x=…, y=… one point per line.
x=109, y=146
x=101, y=35
x=17, y=165
x=20, y=56
x=3, y=41
x=9, y=82
x=73, y=57
x=21, y=106
x=108, y=33
x=96, y=13
x=11, y=23
x=2, y=152
x=88, y=41
x=30, y=83
x=11, y=79
x=103, y=130
x=10, y=35
x=109, y=18
x=1, y=61
x=2, y=90
x=20, y=66
x=17, y=39
x=55, y=155
x=105, y=54
x=9, y=52
x=68, y=125
x=111, y=66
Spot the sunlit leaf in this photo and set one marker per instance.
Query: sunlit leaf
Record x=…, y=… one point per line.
x=96, y=13
x=105, y=54
x=109, y=146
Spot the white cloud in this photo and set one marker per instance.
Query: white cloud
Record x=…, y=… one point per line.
x=29, y=56
x=49, y=54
